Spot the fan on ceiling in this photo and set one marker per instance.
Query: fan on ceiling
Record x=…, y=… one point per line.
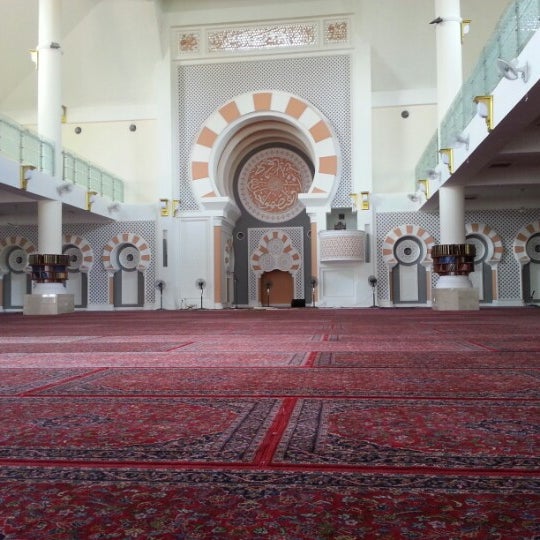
x=511, y=70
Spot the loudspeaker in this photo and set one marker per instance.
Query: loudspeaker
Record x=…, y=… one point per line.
x=298, y=302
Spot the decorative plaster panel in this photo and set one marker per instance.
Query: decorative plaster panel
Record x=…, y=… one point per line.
x=342, y=246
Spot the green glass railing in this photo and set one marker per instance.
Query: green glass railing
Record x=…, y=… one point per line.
x=24, y=146
x=91, y=177
x=429, y=158
x=517, y=25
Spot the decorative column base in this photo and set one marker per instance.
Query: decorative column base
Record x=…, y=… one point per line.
x=454, y=290
x=455, y=300
x=48, y=304
x=49, y=273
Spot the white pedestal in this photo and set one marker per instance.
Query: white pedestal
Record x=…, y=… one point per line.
x=455, y=299
x=48, y=304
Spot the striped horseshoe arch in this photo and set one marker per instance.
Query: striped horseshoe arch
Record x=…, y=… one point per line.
x=7, y=249
x=493, y=239
x=83, y=249
x=520, y=242
x=275, y=252
x=406, y=230
x=109, y=258
x=296, y=111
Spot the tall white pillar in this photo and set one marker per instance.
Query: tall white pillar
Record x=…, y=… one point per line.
x=49, y=295
x=449, y=81
x=49, y=223
x=451, y=258
x=50, y=78
x=453, y=292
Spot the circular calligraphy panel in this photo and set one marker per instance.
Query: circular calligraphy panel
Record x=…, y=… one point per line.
x=269, y=184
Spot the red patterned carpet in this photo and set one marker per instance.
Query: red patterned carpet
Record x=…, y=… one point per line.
x=293, y=424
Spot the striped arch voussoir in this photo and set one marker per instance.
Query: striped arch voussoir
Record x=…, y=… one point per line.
x=492, y=239
x=13, y=242
x=109, y=251
x=519, y=246
x=85, y=248
x=263, y=251
x=406, y=230
x=295, y=109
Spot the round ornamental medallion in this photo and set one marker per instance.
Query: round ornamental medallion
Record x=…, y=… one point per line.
x=75, y=258
x=408, y=250
x=269, y=184
x=16, y=260
x=128, y=257
x=533, y=248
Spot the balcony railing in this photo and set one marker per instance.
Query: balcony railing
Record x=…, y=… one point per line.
x=24, y=146
x=513, y=31
x=91, y=177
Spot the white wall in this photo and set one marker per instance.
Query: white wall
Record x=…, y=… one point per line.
x=398, y=144
x=130, y=155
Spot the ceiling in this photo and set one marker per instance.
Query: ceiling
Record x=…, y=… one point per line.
x=110, y=46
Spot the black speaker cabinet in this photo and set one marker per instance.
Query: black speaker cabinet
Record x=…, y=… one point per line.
x=298, y=302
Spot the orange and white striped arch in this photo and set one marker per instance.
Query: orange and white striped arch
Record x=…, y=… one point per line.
x=109, y=259
x=232, y=116
x=493, y=240
x=7, y=244
x=275, y=252
x=84, y=247
x=520, y=242
x=406, y=230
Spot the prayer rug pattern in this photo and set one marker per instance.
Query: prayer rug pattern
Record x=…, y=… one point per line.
x=290, y=424
x=152, y=429
x=171, y=505
x=286, y=381
x=410, y=433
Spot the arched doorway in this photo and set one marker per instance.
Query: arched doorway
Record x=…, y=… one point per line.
x=259, y=157
x=276, y=288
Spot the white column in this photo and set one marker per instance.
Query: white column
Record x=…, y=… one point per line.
x=49, y=225
x=49, y=240
x=50, y=126
x=449, y=81
x=452, y=218
x=449, y=63
x=50, y=78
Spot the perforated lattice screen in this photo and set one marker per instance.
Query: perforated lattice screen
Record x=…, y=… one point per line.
x=98, y=235
x=506, y=224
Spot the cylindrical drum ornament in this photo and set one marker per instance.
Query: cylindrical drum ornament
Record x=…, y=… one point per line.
x=453, y=259
x=49, y=268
